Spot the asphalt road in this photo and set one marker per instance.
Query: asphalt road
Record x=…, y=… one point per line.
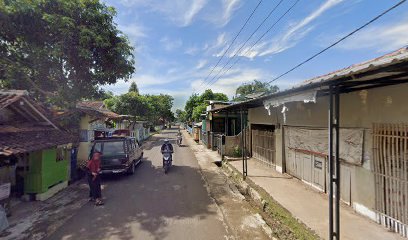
x=150, y=204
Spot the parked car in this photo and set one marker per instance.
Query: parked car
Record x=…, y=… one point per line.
x=119, y=154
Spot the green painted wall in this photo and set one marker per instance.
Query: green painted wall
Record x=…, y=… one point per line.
x=45, y=171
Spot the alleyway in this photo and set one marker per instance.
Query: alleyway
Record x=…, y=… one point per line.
x=152, y=205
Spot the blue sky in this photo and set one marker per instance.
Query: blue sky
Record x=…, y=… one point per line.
x=178, y=42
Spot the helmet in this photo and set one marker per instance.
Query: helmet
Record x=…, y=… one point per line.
x=166, y=140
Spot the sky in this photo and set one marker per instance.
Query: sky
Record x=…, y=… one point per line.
x=177, y=43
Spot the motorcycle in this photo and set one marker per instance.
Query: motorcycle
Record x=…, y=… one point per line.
x=167, y=160
x=179, y=139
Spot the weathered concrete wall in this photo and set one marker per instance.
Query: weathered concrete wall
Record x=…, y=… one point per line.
x=357, y=110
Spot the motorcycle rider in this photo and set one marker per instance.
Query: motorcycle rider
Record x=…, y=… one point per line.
x=167, y=147
x=179, y=136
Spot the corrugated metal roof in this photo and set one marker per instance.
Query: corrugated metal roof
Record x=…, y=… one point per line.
x=397, y=57
x=391, y=58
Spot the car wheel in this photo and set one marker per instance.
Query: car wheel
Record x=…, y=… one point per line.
x=132, y=169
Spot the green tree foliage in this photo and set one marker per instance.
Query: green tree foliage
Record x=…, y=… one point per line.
x=181, y=115
x=61, y=50
x=191, y=103
x=132, y=103
x=153, y=108
x=162, y=105
x=252, y=88
x=133, y=88
x=200, y=109
x=196, y=104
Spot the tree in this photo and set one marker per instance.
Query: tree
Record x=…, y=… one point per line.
x=61, y=50
x=200, y=109
x=196, y=104
x=161, y=111
x=102, y=95
x=191, y=103
x=133, y=88
x=132, y=104
x=254, y=87
x=181, y=115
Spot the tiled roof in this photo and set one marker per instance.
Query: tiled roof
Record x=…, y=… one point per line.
x=21, y=103
x=10, y=97
x=92, y=104
x=22, y=139
x=96, y=108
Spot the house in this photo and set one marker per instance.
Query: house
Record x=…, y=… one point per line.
x=126, y=124
x=34, y=151
x=95, y=121
x=360, y=110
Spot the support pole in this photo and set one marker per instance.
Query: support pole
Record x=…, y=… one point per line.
x=226, y=124
x=331, y=232
x=242, y=144
x=337, y=179
x=334, y=163
x=245, y=172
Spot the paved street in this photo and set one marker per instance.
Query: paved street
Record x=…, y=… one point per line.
x=152, y=205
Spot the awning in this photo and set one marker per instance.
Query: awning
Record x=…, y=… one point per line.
x=306, y=97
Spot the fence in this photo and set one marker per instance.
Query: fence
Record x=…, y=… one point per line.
x=390, y=152
x=204, y=138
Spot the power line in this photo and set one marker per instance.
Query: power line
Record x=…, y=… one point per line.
x=338, y=41
x=252, y=34
x=236, y=36
x=259, y=39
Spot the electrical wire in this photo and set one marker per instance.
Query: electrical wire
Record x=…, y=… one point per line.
x=246, y=41
x=259, y=39
x=233, y=41
x=338, y=41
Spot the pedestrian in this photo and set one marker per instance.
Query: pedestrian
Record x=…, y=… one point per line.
x=94, y=179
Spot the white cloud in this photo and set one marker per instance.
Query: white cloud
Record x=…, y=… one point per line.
x=229, y=7
x=171, y=44
x=180, y=12
x=383, y=38
x=228, y=83
x=133, y=30
x=201, y=64
x=196, y=6
x=184, y=12
x=193, y=50
x=292, y=36
x=218, y=46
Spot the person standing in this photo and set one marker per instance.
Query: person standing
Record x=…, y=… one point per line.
x=94, y=179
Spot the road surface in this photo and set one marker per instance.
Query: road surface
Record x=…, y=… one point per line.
x=150, y=204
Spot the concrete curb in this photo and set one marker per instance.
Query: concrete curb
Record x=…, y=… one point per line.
x=244, y=187
x=249, y=191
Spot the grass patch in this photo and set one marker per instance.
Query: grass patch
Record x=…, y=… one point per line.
x=279, y=219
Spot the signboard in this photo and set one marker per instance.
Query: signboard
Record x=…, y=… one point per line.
x=318, y=164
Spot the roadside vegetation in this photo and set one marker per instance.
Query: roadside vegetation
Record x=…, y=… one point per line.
x=282, y=223
x=196, y=104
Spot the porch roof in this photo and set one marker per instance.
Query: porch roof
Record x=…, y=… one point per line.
x=24, y=138
x=390, y=69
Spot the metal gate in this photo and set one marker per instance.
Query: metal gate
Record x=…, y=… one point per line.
x=263, y=146
x=390, y=150
x=308, y=167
